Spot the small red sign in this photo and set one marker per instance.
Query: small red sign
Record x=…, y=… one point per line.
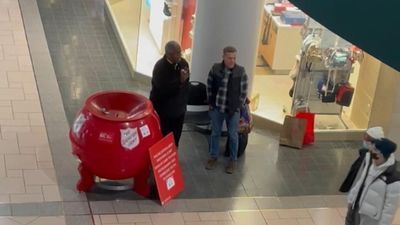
x=167, y=172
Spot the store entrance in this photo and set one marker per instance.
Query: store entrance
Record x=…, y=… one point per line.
x=148, y=49
x=143, y=27
x=280, y=47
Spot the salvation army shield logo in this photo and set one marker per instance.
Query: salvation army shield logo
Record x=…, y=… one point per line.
x=129, y=138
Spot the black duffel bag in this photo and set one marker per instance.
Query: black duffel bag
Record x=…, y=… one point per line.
x=243, y=139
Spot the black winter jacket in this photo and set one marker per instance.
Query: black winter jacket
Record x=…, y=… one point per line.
x=168, y=95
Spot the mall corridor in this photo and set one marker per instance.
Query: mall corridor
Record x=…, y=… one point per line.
x=53, y=54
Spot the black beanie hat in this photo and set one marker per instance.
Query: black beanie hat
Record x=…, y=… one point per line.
x=385, y=146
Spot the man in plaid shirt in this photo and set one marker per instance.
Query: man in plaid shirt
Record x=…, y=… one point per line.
x=226, y=91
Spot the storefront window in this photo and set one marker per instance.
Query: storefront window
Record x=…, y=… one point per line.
x=144, y=27
x=125, y=19
x=302, y=66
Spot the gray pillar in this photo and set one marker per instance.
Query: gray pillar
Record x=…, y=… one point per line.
x=225, y=22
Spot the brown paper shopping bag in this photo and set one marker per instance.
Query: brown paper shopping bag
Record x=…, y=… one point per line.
x=292, y=133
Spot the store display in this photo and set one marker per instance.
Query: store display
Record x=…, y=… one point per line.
x=293, y=17
x=312, y=47
x=266, y=29
x=279, y=8
x=337, y=58
x=325, y=63
x=279, y=42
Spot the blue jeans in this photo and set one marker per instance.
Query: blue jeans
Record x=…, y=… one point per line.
x=232, y=123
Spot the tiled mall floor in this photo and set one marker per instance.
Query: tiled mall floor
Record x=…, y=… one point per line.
x=43, y=84
x=32, y=220
x=26, y=168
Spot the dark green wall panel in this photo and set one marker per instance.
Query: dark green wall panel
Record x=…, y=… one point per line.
x=374, y=26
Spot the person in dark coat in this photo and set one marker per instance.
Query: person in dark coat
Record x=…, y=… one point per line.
x=169, y=93
x=227, y=85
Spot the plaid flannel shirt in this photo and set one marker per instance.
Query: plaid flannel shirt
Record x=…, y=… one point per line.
x=221, y=101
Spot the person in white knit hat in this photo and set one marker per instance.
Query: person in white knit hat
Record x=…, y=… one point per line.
x=374, y=197
x=370, y=137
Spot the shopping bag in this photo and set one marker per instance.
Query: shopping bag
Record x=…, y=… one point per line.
x=292, y=133
x=309, y=134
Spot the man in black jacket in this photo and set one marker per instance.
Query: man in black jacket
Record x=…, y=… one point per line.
x=226, y=92
x=169, y=91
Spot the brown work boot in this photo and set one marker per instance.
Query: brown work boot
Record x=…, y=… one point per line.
x=211, y=164
x=230, y=168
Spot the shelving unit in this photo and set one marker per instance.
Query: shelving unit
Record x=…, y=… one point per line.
x=310, y=73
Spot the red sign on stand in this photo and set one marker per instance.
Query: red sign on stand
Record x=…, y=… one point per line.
x=167, y=172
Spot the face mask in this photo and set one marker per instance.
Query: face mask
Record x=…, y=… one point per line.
x=367, y=145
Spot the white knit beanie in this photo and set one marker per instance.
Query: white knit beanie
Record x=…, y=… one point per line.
x=376, y=132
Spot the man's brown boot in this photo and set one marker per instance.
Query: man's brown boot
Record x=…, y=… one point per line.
x=211, y=164
x=230, y=168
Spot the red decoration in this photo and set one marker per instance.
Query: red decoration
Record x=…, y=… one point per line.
x=111, y=136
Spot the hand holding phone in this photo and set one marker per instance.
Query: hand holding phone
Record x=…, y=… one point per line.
x=184, y=75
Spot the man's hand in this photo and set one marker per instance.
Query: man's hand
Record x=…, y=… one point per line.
x=184, y=75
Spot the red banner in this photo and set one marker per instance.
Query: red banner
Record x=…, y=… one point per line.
x=167, y=172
